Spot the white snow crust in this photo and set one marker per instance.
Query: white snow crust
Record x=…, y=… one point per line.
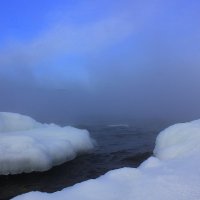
x=27, y=145
x=173, y=173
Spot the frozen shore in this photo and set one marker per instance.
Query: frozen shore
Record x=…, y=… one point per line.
x=173, y=173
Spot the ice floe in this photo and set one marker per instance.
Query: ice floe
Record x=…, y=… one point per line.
x=27, y=145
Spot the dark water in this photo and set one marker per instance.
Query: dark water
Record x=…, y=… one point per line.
x=118, y=146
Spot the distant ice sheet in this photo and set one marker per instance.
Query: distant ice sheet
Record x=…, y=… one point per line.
x=172, y=174
x=27, y=145
x=118, y=125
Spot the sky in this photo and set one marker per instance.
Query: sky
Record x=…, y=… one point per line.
x=78, y=61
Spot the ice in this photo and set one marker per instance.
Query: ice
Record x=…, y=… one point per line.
x=173, y=173
x=118, y=125
x=27, y=145
x=178, y=141
x=16, y=122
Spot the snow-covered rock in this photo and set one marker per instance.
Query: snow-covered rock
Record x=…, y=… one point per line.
x=27, y=145
x=173, y=173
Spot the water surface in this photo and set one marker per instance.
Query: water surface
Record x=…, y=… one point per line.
x=117, y=146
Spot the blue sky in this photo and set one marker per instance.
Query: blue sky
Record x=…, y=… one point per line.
x=47, y=35
x=25, y=19
x=116, y=49
x=24, y=22
x=63, y=39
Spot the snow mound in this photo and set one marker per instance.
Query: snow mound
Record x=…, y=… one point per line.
x=16, y=122
x=172, y=174
x=179, y=140
x=27, y=145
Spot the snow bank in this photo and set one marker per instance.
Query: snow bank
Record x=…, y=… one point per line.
x=172, y=174
x=27, y=145
x=178, y=141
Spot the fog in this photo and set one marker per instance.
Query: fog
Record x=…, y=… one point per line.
x=130, y=61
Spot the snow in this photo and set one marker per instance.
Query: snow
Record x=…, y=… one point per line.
x=173, y=173
x=178, y=141
x=27, y=145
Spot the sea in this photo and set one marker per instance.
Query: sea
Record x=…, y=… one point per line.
x=117, y=146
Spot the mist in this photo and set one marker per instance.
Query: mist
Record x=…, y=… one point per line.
x=130, y=61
